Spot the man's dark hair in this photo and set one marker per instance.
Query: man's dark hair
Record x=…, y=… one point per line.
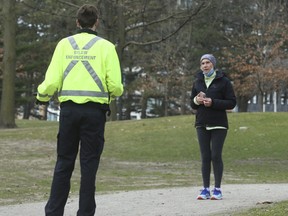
x=87, y=16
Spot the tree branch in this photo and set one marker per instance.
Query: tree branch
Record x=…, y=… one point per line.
x=69, y=3
x=198, y=10
x=153, y=22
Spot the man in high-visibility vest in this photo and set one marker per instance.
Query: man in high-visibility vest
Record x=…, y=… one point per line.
x=85, y=71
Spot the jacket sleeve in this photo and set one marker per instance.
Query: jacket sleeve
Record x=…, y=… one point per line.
x=229, y=99
x=113, y=73
x=52, y=79
x=194, y=93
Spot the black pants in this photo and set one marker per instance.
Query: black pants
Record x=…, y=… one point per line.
x=79, y=125
x=211, y=145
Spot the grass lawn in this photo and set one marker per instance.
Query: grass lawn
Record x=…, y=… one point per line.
x=276, y=209
x=150, y=153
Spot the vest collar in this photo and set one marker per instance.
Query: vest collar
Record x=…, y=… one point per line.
x=86, y=30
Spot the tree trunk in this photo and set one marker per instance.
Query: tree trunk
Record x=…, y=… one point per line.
x=120, y=47
x=260, y=103
x=166, y=97
x=27, y=110
x=7, y=112
x=128, y=107
x=183, y=96
x=108, y=14
x=143, y=105
x=242, y=103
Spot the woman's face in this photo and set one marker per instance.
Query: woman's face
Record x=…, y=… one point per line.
x=206, y=65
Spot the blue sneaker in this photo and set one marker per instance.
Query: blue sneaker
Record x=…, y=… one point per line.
x=217, y=194
x=205, y=194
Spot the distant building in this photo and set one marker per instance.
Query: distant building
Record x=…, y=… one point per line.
x=273, y=102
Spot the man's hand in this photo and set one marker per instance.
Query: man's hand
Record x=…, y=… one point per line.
x=38, y=102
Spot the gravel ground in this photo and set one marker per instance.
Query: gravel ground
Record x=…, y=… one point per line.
x=167, y=202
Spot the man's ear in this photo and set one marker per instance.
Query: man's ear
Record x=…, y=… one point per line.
x=97, y=23
x=78, y=24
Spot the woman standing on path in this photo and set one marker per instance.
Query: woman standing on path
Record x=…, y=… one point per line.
x=212, y=94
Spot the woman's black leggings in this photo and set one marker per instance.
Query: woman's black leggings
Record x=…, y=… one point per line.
x=211, y=144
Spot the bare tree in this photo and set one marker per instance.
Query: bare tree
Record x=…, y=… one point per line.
x=138, y=27
x=258, y=53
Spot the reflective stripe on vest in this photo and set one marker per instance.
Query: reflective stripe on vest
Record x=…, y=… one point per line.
x=88, y=67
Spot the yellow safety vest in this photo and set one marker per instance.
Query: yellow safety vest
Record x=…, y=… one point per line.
x=84, y=68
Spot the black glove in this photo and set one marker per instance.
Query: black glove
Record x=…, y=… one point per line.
x=38, y=102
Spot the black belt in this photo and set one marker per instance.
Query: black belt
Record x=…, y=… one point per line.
x=90, y=104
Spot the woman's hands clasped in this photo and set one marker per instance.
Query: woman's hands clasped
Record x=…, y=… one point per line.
x=202, y=99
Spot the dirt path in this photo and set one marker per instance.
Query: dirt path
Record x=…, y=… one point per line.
x=167, y=202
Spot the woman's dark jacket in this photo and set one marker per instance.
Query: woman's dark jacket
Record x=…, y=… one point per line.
x=223, y=98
